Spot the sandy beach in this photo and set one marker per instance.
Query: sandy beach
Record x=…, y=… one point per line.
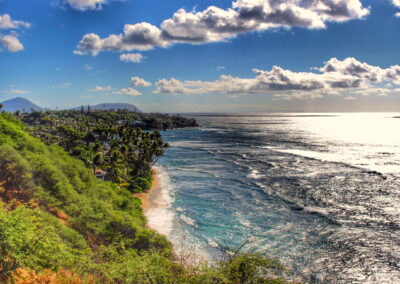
x=152, y=202
x=152, y=198
x=146, y=197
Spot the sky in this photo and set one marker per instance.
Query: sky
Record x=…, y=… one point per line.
x=203, y=56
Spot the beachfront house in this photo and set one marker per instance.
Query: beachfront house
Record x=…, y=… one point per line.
x=100, y=174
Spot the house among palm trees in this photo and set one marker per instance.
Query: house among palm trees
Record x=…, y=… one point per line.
x=138, y=124
x=100, y=174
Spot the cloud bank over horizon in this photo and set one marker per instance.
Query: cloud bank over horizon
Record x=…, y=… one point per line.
x=335, y=77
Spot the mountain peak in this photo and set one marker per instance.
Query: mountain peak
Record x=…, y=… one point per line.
x=21, y=104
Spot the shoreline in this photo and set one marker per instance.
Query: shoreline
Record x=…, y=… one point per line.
x=145, y=196
x=152, y=199
x=155, y=210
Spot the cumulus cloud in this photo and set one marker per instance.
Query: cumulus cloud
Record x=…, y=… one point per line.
x=11, y=43
x=349, y=98
x=215, y=24
x=362, y=70
x=333, y=78
x=83, y=5
x=397, y=4
x=100, y=89
x=7, y=23
x=131, y=57
x=127, y=92
x=139, y=82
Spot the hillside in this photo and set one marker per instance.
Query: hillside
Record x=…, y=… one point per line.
x=110, y=106
x=69, y=220
x=21, y=104
x=59, y=222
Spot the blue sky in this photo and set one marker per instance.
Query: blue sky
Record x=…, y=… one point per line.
x=173, y=56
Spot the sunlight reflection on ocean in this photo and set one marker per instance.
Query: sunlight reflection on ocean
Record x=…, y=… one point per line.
x=320, y=192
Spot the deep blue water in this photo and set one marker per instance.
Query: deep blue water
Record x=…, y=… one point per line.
x=320, y=192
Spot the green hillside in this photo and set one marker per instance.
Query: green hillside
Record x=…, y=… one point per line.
x=57, y=219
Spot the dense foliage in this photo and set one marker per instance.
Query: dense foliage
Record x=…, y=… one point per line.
x=81, y=120
x=110, y=141
x=58, y=220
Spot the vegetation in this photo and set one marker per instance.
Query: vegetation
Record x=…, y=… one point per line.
x=111, y=141
x=59, y=223
x=81, y=120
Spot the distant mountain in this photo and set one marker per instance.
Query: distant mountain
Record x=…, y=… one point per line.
x=111, y=106
x=24, y=105
x=21, y=104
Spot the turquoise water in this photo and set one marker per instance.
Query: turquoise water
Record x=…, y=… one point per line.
x=320, y=192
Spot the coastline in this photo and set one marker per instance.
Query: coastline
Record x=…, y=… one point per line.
x=145, y=196
x=153, y=200
x=158, y=215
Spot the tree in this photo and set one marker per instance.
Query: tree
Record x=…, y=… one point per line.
x=1, y=106
x=126, y=153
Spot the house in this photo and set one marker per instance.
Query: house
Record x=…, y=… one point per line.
x=100, y=174
x=138, y=124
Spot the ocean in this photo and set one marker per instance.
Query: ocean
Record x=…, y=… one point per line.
x=320, y=192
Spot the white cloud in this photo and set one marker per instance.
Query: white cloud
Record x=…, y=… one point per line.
x=16, y=91
x=139, y=82
x=220, y=68
x=333, y=78
x=397, y=4
x=349, y=98
x=362, y=70
x=215, y=24
x=380, y=92
x=297, y=96
x=88, y=67
x=63, y=85
x=131, y=57
x=127, y=92
x=83, y=5
x=11, y=43
x=100, y=89
x=304, y=95
x=7, y=23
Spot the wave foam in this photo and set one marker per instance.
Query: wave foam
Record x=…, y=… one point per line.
x=161, y=216
x=255, y=174
x=188, y=220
